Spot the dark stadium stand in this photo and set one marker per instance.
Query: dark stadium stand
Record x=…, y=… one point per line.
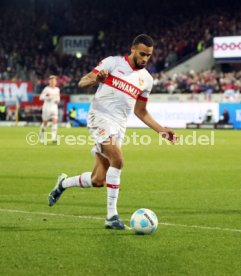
x=27, y=47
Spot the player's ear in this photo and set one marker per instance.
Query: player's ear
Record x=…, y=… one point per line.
x=133, y=49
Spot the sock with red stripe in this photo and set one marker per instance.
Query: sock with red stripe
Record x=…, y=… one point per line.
x=113, y=184
x=82, y=181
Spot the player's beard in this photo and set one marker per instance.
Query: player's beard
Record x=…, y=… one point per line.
x=138, y=66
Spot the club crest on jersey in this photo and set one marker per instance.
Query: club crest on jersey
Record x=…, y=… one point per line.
x=101, y=132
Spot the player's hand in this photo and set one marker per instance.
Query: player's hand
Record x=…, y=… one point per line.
x=102, y=75
x=170, y=135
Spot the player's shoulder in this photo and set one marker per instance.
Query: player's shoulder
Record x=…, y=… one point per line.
x=56, y=89
x=147, y=75
x=113, y=58
x=45, y=88
x=110, y=62
x=51, y=89
x=119, y=58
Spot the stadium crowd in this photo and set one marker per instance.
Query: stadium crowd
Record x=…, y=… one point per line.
x=206, y=82
x=28, y=38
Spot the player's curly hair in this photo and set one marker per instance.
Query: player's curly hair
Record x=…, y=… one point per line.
x=143, y=39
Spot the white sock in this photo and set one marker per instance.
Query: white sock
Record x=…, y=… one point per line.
x=82, y=181
x=54, y=131
x=113, y=185
x=42, y=130
x=85, y=180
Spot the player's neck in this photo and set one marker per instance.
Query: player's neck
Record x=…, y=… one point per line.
x=130, y=60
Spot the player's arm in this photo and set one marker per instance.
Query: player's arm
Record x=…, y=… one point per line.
x=44, y=95
x=57, y=98
x=92, y=78
x=142, y=113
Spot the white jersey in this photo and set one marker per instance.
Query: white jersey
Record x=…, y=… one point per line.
x=50, y=96
x=115, y=98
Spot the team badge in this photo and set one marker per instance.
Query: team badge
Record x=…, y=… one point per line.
x=101, y=132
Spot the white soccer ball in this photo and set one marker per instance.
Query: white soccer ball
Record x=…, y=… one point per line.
x=144, y=221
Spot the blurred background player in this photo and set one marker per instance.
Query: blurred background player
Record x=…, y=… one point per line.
x=51, y=97
x=124, y=85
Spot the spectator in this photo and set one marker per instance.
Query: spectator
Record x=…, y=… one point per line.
x=208, y=118
x=73, y=118
x=2, y=111
x=28, y=51
x=224, y=118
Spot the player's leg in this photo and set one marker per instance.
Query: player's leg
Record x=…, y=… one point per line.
x=42, y=129
x=96, y=178
x=54, y=128
x=112, y=150
x=98, y=175
x=85, y=180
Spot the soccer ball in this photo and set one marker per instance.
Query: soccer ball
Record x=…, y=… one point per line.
x=144, y=221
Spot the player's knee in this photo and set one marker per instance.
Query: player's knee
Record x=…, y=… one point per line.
x=98, y=182
x=117, y=162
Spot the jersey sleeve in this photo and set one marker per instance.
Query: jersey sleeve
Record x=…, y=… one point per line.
x=146, y=92
x=42, y=96
x=106, y=64
x=57, y=96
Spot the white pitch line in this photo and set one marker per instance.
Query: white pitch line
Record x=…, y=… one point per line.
x=201, y=227
x=49, y=214
x=56, y=215
x=100, y=218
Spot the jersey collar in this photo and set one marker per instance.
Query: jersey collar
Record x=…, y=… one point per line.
x=127, y=60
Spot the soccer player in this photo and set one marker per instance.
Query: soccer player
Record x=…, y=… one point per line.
x=51, y=97
x=124, y=85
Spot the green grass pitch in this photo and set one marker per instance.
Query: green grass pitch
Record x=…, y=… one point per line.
x=194, y=190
